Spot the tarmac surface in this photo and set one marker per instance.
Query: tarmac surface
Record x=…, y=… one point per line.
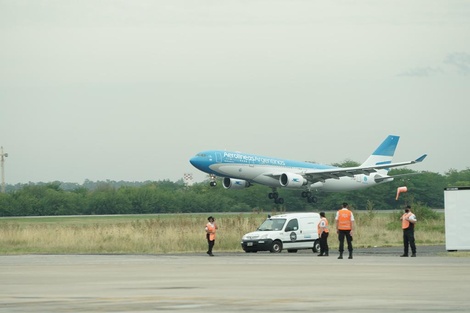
x=376, y=280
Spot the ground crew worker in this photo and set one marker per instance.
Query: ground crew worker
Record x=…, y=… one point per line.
x=345, y=228
x=211, y=227
x=408, y=220
x=323, y=234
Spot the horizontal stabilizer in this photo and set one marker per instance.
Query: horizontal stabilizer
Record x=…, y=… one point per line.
x=421, y=158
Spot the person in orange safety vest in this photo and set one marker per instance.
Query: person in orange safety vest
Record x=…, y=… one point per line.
x=345, y=228
x=211, y=227
x=323, y=234
x=408, y=220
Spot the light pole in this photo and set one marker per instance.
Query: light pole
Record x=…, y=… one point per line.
x=4, y=155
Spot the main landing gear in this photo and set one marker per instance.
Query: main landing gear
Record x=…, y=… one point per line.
x=305, y=194
x=309, y=196
x=274, y=195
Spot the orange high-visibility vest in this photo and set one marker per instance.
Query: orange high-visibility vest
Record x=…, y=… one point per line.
x=325, y=229
x=211, y=231
x=405, y=223
x=344, y=219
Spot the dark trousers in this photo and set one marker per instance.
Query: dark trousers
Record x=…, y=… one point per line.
x=210, y=244
x=409, y=240
x=341, y=235
x=324, y=243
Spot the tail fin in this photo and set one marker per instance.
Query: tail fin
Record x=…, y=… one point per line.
x=384, y=153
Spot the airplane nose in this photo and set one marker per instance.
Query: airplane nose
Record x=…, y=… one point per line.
x=194, y=161
x=197, y=162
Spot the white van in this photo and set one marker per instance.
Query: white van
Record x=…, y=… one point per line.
x=290, y=231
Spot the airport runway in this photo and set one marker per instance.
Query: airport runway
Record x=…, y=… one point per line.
x=376, y=280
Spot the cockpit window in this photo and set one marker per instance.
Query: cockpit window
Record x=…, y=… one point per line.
x=272, y=224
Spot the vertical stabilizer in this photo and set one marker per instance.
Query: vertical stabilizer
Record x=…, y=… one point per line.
x=384, y=153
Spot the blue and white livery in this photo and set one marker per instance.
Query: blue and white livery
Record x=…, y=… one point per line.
x=241, y=170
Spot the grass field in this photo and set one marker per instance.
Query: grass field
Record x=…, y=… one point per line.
x=181, y=233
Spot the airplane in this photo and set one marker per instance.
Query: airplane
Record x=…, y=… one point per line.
x=241, y=170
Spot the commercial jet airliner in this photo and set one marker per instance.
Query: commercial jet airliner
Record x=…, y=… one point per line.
x=242, y=170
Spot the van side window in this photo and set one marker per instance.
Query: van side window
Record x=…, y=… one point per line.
x=292, y=225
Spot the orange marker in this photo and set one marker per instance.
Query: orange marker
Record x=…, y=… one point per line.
x=400, y=190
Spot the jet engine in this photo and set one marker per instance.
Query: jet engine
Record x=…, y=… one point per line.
x=231, y=183
x=292, y=180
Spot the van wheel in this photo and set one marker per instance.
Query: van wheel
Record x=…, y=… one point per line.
x=276, y=247
x=316, y=246
x=292, y=250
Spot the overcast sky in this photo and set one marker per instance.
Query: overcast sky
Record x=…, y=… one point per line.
x=131, y=90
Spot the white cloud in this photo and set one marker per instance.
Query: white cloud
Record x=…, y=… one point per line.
x=459, y=61
x=422, y=72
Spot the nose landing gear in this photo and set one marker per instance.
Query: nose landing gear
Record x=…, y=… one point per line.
x=213, y=180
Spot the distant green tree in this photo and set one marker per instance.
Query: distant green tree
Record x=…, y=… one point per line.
x=110, y=197
x=140, y=199
x=7, y=205
x=458, y=178
x=106, y=200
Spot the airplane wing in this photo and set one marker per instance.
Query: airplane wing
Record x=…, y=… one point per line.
x=322, y=175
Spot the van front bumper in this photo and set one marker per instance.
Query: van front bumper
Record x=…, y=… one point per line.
x=257, y=245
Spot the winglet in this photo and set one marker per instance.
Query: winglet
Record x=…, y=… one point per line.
x=421, y=158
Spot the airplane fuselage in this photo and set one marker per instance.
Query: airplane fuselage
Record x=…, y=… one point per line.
x=253, y=168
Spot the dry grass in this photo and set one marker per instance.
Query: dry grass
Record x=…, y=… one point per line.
x=178, y=233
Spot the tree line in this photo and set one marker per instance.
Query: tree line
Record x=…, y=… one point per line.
x=110, y=197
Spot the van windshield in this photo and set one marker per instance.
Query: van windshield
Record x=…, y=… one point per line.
x=272, y=224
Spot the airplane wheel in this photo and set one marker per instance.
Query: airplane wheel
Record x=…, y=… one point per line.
x=304, y=194
x=212, y=184
x=270, y=195
x=312, y=200
x=279, y=201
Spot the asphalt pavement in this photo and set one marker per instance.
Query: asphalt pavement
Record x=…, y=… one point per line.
x=377, y=279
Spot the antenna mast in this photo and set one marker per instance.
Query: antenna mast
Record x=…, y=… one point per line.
x=3, y=155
